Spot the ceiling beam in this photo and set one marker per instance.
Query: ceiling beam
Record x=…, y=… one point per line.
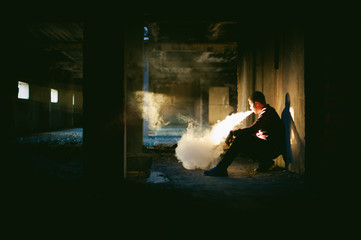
x=192, y=47
x=69, y=65
x=63, y=46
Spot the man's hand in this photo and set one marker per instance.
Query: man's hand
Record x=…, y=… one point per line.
x=230, y=138
x=261, y=134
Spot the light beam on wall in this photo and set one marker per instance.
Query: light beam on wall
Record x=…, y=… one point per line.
x=292, y=112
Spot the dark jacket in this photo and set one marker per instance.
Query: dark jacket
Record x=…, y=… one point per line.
x=270, y=123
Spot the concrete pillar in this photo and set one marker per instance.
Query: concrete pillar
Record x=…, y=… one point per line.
x=8, y=95
x=68, y=103
x=104, y=101
x=329, y=75
x=134, y=78
x=78, y=106
x=41, y=95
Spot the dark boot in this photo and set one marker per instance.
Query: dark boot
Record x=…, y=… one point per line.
x=216, y=172
x=264, y=165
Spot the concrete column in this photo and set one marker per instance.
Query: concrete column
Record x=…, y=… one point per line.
x=78, y=106
x=41, y=96
x=8, y=96
x=104, y=101
x=134, y=78
x=68, y=103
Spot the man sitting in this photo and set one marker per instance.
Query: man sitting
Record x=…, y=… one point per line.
x=262, y=141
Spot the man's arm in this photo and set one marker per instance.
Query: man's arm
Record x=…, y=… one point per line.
x=260, y=123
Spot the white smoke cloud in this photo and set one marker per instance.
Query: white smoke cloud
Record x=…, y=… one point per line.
x=198, y=149
x=150, y=105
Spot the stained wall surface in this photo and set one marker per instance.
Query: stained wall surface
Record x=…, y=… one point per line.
x=275, y=66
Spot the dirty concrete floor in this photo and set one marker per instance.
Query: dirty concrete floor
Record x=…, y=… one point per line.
x=242, y=191
x=278, y=198
x=172, y=197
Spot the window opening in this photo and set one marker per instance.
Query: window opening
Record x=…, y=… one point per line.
x=146, y=37
x=53, y=95
x=23, y=92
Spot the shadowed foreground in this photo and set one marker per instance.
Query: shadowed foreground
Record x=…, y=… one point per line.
x=49, y=186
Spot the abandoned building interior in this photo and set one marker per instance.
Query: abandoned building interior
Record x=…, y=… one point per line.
x=98, y=105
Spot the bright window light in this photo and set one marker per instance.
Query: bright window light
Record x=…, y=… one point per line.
x=53, y=95
x=146, y=37
x=23, y=92
x=73, y=100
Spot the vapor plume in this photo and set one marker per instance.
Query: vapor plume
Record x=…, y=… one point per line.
x=198, y=149
x=150, y=105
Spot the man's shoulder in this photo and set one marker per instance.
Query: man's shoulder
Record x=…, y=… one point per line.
x=269, y=110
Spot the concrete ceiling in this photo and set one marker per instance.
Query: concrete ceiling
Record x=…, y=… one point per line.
x=192, y=31
x=62, y=41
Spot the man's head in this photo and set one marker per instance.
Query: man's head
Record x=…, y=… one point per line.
x=257, y=101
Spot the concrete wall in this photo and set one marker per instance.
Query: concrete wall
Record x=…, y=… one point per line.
x=37, y=113
x=245, y=81
x=28, y=62
x=291, y=98
x=186, y=72
x=275, y=66
x=219, y=106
